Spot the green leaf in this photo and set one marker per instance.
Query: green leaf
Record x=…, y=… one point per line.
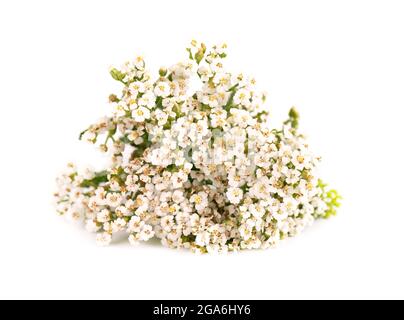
x=117, y=75
x=230, y=101
x=190, y=54
x=82, y=133
x=99, y=178
x=294, y=118
x=200, y=54
x=331, y=198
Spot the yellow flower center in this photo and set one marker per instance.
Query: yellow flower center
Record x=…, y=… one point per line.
x=198, y=199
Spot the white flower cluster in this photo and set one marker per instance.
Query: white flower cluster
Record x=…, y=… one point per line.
x=200, y=170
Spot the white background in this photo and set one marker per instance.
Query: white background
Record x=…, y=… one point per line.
x=341, y=63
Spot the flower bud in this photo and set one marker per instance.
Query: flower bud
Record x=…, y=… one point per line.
x=163, y=72
x=113, y=98
x=103, y=148
x=116, y=74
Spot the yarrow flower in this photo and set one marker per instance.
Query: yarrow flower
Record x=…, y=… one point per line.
x=202, y=170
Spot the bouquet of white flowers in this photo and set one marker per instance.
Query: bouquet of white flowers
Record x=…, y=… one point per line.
x=201, y=170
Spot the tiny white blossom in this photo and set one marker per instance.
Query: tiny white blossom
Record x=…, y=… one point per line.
x=91, y=226
x=242, y=97
x=103, y=239
x=137, y=87
x=146, y=233
x=114, y=199
x=135, y=224
x=133, y=240
x=162, y=89
x=234, y=195
x=103, y=216
x=200, y=199
x=141, y=114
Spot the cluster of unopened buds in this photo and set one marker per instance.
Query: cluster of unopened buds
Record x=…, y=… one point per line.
x=202, y=170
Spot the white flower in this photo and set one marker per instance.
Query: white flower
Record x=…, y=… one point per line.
x=132, y=183
x=200, y=199
x=234, y=178
x=114, y=199
x=133, y=240
x=178, y=179
x=242, y=97
x=202, y=239
x=212, y=100
x=175, y=233
x=91, y=226
x=139, y=62
x=121, y=211
x=135, y=224
x=178, y=196
x=161, y=117
x=100, y=195
x=221, y=49
x=245, y=232
x=119, y=223
x=218, y=117
x=199, y=129
x=89, y=136
x=223, y=80
x=136, y=87
x=103, y=215
x=299, y=160
x=242, y=118
x=141, y=114
x=234, y=195
x=142, y=202
x=167, y=222
x=103, y=239
x=256, y=210
x=146, y=233
x=204, y=73
x=147, y=100
x=261, y=188
x=162, y=89
x=216, y=65
x=289, y=204
x=280, y=215
x=199, y=168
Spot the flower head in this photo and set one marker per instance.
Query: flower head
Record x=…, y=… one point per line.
x=199, y=169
